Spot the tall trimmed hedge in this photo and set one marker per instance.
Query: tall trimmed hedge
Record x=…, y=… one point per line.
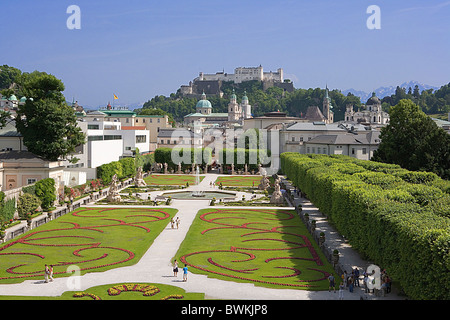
x=199, y=156
x=397, y=218
x=124, y=168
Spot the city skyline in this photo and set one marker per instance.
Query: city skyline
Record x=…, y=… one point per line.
x=140, y=49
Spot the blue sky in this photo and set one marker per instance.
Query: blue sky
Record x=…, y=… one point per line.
x=141, y=48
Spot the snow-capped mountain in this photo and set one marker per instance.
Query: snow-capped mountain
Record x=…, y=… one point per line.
x=382, y=92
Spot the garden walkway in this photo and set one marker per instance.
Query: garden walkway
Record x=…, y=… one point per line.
x=155, y=267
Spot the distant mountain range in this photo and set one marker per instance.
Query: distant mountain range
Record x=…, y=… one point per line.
x=382, y=92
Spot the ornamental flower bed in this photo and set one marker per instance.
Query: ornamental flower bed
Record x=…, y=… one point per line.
x=93, y=239
x=255, y=245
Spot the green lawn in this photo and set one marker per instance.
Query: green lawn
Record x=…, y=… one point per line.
x=93, y=239
x=239, y=181
x=267, y=247
x=171, y=179
x=122, y=291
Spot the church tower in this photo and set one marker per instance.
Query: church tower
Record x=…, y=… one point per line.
x=234, y=109
x=246, y=107
x=326, y=110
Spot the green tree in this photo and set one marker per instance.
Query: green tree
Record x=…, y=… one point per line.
x=414, y=141
x=46, y=191
x=47, y=124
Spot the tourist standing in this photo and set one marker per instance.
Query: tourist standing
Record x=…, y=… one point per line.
x=177, y=221
x=185, y=273
x=341, y=291
x=51, y=273
x=356, y=277
x=175, y=268
x=171, y=222
x=332, y=284
x=46, y=272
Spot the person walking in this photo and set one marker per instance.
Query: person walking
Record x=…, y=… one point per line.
x=171, y=222
x=185, y=273
x=177, y=222
x=175, y=268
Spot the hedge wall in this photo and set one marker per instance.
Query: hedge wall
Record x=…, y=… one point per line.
x=125, y=167
x=187, y=155
x=399, y=219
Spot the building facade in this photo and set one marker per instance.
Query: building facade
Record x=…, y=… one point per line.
x=371, y=113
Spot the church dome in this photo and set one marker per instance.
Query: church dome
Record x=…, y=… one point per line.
x=373, y=100
x=203, y=103
x=245, y=98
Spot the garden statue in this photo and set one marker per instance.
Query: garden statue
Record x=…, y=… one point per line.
x=113, y=193
x=277, y=196
x=232, y=168
x=139, y=179
x=165, y=167
x=179, y=168
x=264, y=183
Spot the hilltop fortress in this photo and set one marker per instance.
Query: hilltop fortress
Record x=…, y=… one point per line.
x=212, y=83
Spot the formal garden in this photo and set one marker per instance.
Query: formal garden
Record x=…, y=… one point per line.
x=94, y=239
x=266, y=247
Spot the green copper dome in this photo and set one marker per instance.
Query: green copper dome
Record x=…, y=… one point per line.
x=245, y=98
x=373, y=100
x=203, y=103
x=233, y=96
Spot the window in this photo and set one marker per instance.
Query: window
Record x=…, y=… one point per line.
x=31, y=180
x=301, y=139
x=293, y=139
x=95, y=138
x=307, y=150
x=113, y=137
x=364, y=150
x=353, y=150
x=141, y=139
x=93, y=126
x=127, y=120
x=158, y=120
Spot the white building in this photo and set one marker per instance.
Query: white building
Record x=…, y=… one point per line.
x=371, y=113
x=106, y=142
x=242, y=74
x=357, y=145
x=293, y=136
